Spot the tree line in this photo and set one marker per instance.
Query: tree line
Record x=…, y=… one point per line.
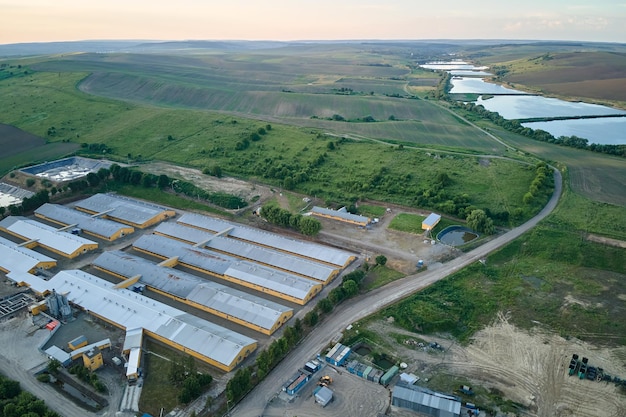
x=14, y=402
x=306, y=225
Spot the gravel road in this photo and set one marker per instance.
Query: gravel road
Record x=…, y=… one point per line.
x=254, y=404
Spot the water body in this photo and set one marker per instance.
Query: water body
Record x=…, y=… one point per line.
x=517, y=104
x=478, y=86
x=468, y=73
x=523, y=107
x=456, y=235
x=453, y=65
x=605, y=131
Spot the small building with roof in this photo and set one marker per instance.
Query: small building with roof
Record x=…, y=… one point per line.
x=431, y=221
x=341, y=215
x=14, y=257
x=237, y=306
x=39, y=234
x=213, y=344
x=260, y=278
x=309, y=250
x=425, y=401
x=90, y=224
x=136, y=213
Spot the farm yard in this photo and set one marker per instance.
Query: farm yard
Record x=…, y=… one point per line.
x=352, y=125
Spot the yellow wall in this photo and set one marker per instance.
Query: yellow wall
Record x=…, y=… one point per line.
x=93, y=363
x=225, y=367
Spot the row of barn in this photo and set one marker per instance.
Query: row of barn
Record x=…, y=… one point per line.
x=269, y=264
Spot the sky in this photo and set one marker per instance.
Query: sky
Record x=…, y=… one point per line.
x=69, y=20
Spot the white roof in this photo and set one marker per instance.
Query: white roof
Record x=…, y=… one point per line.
x=243, y=250
x=123, y=208
x=18, y=258
x=426, y=397
x=232, y=302
x=258, y=275
x=345, y=215
x=96, y=225
x=301, y=248
x=131, y=310
x=134, y=359
x=431, y=220
x=63, y=242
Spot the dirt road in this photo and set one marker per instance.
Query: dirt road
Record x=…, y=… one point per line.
x=254, y=403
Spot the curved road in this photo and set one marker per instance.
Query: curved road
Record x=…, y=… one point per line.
x=255, y=402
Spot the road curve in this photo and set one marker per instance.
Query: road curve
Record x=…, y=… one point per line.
x=353, y=310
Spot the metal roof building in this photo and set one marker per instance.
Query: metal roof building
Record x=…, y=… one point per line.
x=96, y=226
x=261, y=278
x=425, y=401
x=243, y=250
x=431, y=221
x=125, y=210
x=128, y=310
x=249, y=310
x=301, y=248
x=341, y=215
x=39, y=234
x=18, y=258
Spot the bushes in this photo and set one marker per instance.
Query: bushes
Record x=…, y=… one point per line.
x=304, y=224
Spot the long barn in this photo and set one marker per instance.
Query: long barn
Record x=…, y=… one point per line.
x=237, y=306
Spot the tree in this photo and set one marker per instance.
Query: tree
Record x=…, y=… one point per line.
x=53, y=366
x=381, y=260
x=325, y=305
x=310, y=226
x=163, y=181
x=478, y=221
x=30, y=182
x=351, y=288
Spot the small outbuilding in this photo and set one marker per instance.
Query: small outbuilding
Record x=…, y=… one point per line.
x=431, y=221
x=323, y=396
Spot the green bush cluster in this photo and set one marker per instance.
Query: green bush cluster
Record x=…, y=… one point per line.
x=17, y=403
x=87, y=376
x=304, y=224
x=183, y=374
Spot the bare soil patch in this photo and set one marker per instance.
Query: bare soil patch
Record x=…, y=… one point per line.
x=529, y=368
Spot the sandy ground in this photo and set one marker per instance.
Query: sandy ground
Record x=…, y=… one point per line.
x=530, y=368
x=352, y=396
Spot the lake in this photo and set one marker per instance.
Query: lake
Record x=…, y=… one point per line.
x=515, y=104
x=605, y=131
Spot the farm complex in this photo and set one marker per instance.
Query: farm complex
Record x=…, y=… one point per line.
x=245, y=277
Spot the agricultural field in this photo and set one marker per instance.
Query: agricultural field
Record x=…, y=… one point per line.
x=20, y=148
x=599, y=76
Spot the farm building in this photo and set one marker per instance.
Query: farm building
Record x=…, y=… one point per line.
x=10, y=194
x=76, y=343
x=431, y=221
x=14, y=257
x=338, y=354
x=323, y=396
x=425, y=401
x=128, y=310
x=125, y=210
x=309, y=250
x=237, y=306
x=307, y=268
x=95, y=226
x=92, y=359
x=341, y=215
x=260, y=278
x=39, y=234
x=67, y=169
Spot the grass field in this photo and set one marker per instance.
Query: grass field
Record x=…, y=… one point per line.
x=355, y=169
x=406, y=222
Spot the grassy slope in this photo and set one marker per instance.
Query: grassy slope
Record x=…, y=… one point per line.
x=44, y=100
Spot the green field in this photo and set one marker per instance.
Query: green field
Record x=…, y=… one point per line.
x=406, y=222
